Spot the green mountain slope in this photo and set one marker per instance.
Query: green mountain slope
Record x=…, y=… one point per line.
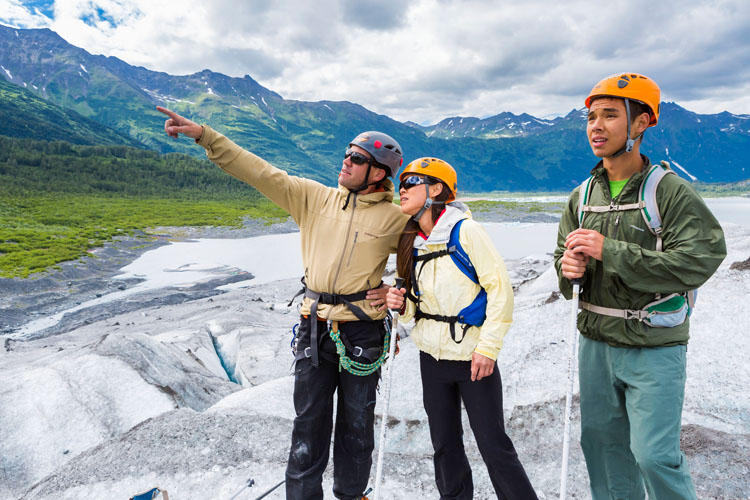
x=25, y=115
x=505, y=151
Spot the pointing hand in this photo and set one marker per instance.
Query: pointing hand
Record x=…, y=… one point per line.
x=176, y=125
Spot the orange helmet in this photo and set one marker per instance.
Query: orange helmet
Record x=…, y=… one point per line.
x=629, y=86
x=436, y=168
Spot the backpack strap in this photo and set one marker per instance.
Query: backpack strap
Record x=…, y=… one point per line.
x=584, y=197
x=584, y=194
x=647, y=196
x=459, y=255
x=472, y=315
x=651, y=215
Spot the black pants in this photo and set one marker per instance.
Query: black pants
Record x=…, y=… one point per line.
x=355, y=414
x=444, y=385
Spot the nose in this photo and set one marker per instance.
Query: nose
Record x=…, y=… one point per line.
x=595, y=123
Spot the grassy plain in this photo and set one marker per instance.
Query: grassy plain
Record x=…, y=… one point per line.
x=38, y=231
x=59, y=200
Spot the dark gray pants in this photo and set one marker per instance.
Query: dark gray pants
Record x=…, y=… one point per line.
x=355, y=413
x=445, y=384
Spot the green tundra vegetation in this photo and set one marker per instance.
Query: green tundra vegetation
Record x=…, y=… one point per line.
x=479, y=206
x=58, y=200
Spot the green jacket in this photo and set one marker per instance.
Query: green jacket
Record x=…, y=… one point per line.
x=631, y=271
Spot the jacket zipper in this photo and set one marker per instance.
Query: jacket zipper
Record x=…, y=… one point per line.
x=343, y=250
x=617, y=225
x=354, y=245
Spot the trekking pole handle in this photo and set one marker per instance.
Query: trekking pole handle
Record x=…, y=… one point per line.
x=394, y=312
x=399, y=283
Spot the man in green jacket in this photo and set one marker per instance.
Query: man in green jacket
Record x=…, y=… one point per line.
x=346, y=235
x=635, y=288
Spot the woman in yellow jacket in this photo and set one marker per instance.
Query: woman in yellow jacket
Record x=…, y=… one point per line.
x=459, y=337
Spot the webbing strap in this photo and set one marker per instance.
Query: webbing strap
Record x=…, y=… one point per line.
x=332, y=299
x=434, y=255
x=451, y=320
x=613, y=207
x=616, y=313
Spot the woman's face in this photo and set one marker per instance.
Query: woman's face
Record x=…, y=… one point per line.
x=414, y=195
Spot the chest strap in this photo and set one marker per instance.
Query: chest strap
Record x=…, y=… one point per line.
x=613, y=207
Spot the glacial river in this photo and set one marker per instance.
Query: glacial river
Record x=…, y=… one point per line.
x=277, y=256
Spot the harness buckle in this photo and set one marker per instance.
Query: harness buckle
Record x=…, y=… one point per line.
x=308, y=352
x=357, y=351
x=639, y=315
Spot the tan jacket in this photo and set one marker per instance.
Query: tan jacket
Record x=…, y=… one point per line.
x=445, y=290
x=343, y=251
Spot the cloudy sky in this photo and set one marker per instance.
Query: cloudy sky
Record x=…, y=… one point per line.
x=424, y=60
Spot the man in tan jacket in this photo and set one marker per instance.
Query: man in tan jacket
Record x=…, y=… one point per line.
x=346, y=234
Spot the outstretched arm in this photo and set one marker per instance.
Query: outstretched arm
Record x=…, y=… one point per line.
x=176, y=125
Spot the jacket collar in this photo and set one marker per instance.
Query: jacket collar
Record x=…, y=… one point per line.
x=600, y=174
x=441, y=233
x=371, y=198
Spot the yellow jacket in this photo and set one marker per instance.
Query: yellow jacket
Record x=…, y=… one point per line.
x=343, y=251
x=445, y=290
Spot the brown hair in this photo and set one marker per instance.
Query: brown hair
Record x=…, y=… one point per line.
x=405, y=252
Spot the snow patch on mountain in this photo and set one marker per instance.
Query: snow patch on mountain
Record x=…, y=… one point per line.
x=673, y=162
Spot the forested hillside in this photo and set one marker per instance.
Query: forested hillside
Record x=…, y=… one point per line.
x=56, y=166
x=58, y=200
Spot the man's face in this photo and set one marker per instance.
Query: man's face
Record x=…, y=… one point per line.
x=607, y=126
x=352, y=174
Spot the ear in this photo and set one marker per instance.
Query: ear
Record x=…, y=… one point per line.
x=377, y=175
x=641, y=123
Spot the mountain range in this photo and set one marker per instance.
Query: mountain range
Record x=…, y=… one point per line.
x=61, y=91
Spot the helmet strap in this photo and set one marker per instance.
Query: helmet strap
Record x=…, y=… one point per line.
x=629, y=143
x=427, y=204
x=364, y=186
x=367, y=177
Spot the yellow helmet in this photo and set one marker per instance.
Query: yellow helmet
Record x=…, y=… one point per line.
x=630, y=86
x=437, y=168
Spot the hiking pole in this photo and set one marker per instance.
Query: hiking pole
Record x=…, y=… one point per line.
x=573, y=341
x=269, y=491
x=248, y=484
x=388, y=377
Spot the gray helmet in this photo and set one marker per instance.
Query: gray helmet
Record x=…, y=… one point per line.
x=383, y=148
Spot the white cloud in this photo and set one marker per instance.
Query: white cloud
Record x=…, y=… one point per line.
x=424, y=60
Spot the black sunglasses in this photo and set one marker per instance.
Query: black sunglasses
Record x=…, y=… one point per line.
x=414, y=180
x=356, y=158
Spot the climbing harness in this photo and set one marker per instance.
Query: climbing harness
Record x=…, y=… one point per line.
x=355, y=367
x=331, y=299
